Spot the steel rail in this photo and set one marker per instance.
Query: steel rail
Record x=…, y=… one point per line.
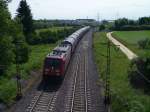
x=75, y=81
x=34, y=104
x=85, y=70
x=32, y=107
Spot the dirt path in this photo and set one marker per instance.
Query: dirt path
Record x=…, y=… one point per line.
x=123, y=48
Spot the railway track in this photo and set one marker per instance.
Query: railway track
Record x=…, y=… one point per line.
x=79, y=96
x=42, y=102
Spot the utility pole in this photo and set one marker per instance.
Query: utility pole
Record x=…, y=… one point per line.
x=107, y=99
x=117, y=15
x=98, y=18
x=87, y=17
x=18, y=74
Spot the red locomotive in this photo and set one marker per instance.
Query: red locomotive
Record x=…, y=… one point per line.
x=55, y=63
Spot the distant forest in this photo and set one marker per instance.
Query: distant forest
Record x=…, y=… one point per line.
x=142, y=23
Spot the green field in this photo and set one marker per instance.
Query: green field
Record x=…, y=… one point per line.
x=131, y=38
x=124, y=97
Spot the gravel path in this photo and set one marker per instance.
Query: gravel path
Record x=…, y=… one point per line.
x=123, y=48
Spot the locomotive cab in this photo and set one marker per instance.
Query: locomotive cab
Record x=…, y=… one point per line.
x=53, y=67
x=56, y=62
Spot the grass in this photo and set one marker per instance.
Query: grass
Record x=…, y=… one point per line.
x=8, y=83
x=131, y=38
x=124, y=97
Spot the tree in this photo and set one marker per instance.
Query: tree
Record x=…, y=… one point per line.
x=10, y=32
x=21, y=52
x=121, y=22
x=6, y=53
x=144, y=43
x=101, y=27
x=21, y=49
x=25, y=16
x=132, y=22
x=144, y=21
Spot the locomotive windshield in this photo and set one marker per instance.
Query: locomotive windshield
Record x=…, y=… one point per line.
x=52, y=63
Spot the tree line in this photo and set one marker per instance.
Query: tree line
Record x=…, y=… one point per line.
x=142, y=23
x=48, y=36
x=44, y=23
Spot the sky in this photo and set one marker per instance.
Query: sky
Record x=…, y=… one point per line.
x=83, y=9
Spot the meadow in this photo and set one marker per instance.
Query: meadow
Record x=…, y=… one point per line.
x=124, y=97
x=131, y=38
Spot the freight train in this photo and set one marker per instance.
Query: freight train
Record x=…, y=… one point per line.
x=56, y=62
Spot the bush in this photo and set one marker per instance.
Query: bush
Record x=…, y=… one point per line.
x=139, y=73
x=34, y=39
x=136, y=106
x=101, y=27
x=48, y=36
x=143, y=44
x=6, y=53
x=7, y=91
x=21, y=53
